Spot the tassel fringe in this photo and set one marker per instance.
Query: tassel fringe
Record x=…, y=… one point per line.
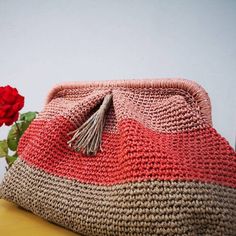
x=87, y=138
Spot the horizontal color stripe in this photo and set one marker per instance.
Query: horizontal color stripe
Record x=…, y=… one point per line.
x=134, y=154
x=186, y=88
x=140, y=208
x=161, y=111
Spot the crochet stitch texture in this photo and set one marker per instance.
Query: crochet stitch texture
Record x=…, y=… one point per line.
x=163, y=169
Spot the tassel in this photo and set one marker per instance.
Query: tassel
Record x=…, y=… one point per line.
x=87, y=138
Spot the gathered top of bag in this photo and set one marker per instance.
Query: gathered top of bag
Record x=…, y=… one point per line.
x=99, y=96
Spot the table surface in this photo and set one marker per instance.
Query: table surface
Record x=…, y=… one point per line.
x=15, y=221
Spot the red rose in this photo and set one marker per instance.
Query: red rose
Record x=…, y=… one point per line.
x=10, y=104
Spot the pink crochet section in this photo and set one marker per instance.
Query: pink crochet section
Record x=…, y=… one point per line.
x=168, y=109
x=180, y=86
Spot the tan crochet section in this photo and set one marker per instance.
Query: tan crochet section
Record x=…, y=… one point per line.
x=169, y=105
x=141, y=208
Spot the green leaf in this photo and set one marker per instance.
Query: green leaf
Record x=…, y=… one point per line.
x=24, y=126
x=15, y=134
x=17, y=131
x=28, y=116
x=13, y=143
x=3, y=148
x=11, y=159
x=13, y=138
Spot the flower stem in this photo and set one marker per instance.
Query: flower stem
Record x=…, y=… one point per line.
x=18, y=128
x=7, y=167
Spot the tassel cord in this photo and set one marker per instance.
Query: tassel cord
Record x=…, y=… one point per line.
x=87, y=138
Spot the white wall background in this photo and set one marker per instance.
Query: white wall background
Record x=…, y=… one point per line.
x=44, y=42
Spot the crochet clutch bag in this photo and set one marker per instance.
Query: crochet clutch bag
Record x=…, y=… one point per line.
x=136, y=157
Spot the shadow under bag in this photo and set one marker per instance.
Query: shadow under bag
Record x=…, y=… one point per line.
x=135, y=157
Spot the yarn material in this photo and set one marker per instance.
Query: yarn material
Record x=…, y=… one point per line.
x=87, y=138
x=153, y=208
x=163, y=168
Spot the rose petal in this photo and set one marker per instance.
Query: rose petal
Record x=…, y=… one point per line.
x=3, y=120
x=2, y=113
x=1, y=91
x=9, y=95
x=11, y=112
x=10, y=104
x=12, y=119
x=4, y=110
x=20, y=101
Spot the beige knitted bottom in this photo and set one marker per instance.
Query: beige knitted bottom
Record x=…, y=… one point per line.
x=141, y=208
